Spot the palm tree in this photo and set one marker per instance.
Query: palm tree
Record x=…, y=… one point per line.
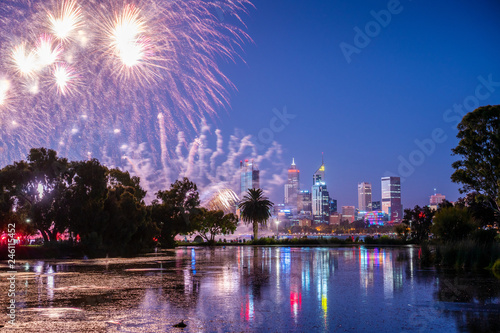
x=255, y=209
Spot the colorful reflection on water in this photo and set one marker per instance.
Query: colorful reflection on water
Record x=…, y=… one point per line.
x=245, y=288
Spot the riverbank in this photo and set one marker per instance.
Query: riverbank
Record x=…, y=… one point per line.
x=464, y=254
x=317, y=241
x=66, y=251
x=58, y=251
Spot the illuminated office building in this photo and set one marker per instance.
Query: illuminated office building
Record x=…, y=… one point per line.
x=348, y=213
x=335, y=218
x=391, y=199
x=435, y=200
x=364, y=197
x=333, y=206
x=292, y=186
x=320, y=196
x=304, y=203
x=249, y=176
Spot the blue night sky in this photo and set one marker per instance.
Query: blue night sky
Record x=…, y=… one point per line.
x=366, y=115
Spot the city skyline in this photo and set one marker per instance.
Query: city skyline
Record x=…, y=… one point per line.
x=396, y=91
x=319, y=206
x=320, y=79
x=364, y=191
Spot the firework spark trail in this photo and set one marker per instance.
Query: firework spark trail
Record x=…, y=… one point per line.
x=4, y=91
x=218, y=152
x=119, y=65
x=163, y=140
x=212, y=169
x=224, y=199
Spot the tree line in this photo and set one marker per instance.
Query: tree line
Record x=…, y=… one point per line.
x=476, y=216
x=103, y=208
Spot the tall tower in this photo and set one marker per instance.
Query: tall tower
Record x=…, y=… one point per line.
x=391, y=198
x=292, y=186
x=249, y=176
x=364, y=197
x=319, y=175
x=320, y=196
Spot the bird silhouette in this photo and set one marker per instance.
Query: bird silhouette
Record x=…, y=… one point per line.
x=181, y=324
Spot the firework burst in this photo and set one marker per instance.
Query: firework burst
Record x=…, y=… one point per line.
x=67, y=19
x=126, y=36
x=46, y=52
x=65, y=78
x=114, y=65
x=24, y=63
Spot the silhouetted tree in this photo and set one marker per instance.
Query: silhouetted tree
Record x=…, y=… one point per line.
x=105, y=207
x=107, y=210
x=209, y=223
x=402, y=230
x=420, y=221
x=452, y=224
x=34, y=189
x=478, y=169
x=174, y=209
x=479, y=207
x=255, y=209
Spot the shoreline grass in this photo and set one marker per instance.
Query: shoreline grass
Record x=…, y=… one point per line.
x=266, y=241
x=465, y=254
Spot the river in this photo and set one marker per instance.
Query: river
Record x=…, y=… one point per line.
x=251, y=289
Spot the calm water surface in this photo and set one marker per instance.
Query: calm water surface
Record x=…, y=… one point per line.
x=260, y=289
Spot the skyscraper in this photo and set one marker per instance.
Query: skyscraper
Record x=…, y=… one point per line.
x=304, y=205
x=319, y=175
x=292, y=186
x=391, y=198
x=333, y=205
x=348, y=213
x=249, y=176
x=320, y=202
x=435, y=200
x=320, y=195
x=364, y=197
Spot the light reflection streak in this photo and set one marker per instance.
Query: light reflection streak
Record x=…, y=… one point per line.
x=306, y=276
x=365, y=270
x=50, y=283
x=371, y=260
x=247, y=310
x=295, y=304
x=38, y=269
x=278, y=255
x=285, y=260
x=229, y=282
x=388, y=275
x=323, y=274
x=193, y=261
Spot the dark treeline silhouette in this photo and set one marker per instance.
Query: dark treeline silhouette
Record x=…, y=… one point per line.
x=465, y=234
x=103, y=210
